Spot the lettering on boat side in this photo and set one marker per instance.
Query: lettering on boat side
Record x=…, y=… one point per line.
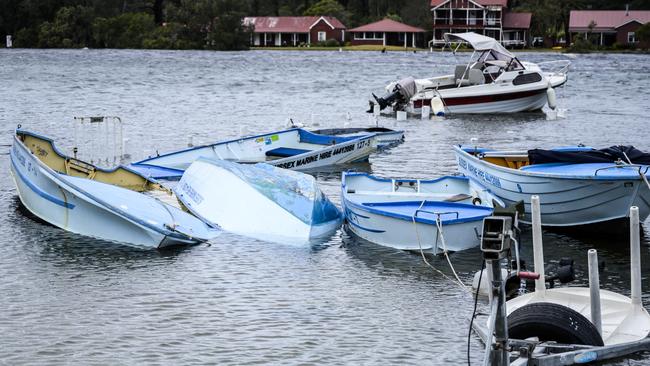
x=20, y=156
x=324, y=155
x=480, y=174
x=194, y=195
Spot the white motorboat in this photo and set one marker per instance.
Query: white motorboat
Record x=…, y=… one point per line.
x=294, y=149
x=108, y=204
x=259, y=201
x=408, y=214
x=494, y=81
x=576, y=185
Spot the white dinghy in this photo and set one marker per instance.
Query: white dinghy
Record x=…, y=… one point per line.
x=408, y=214
x=108, y=204
x=494, y=81
x=576, y=185
x=259, y=201
x=294, y=149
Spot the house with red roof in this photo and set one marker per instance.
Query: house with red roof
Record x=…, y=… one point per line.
x=387, y=32
x=488, y=17
x=607, y=26
x=294, y=31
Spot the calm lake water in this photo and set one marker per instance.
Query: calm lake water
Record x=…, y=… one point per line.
x=68, y=299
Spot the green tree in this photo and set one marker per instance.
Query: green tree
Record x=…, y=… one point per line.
x=123, y=31
x=643, y=35
x=212, y=24
x=71, y=28
x=328, y=8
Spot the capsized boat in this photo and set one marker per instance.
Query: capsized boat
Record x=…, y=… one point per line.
x=108, y=204
x=260, y=201
x=408, y=214
x=295, y=149
x=386, y=137
x=576, y=185
x=494, y=81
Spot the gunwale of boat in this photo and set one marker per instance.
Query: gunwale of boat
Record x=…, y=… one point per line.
x=46, y=151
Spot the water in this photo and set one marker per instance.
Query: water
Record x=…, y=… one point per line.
x=69, y=299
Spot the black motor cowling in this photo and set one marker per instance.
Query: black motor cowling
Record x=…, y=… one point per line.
x=403, y=91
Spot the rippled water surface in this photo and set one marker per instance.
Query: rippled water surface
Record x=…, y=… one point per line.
x=70, y=299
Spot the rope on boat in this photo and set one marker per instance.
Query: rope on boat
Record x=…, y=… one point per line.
x=645, y=179
x=444, y=246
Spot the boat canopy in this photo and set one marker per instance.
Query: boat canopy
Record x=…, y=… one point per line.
x=627, y=154
x=479, y=42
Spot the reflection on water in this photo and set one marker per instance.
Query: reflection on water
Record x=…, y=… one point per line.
x=73, y=299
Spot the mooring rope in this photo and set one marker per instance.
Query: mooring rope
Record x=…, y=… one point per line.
x=424, y=258
x=645, y=179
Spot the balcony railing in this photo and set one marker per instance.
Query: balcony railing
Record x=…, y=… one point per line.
x=472, y=22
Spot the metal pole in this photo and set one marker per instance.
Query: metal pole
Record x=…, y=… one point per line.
x=540, y=283
x=594, y=290
x=499, y=355
x=635, y=256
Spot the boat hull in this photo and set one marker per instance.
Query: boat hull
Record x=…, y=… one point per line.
x=256, y=209
x=503, y=102
x=316, y=152
x=48, y=195
x=406, y=235
x=406, y=214
x=565, y=201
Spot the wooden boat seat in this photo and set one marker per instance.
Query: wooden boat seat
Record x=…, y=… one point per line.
x=80, y=166
x=508, y=161
x=284, y=152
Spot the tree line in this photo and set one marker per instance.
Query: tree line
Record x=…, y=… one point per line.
x=217, y=24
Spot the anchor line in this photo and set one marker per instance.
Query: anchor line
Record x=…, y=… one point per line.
x=424, y=258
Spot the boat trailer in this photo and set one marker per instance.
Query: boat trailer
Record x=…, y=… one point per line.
x=619, y=326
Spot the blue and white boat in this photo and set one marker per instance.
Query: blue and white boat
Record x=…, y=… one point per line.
x=258, y=200
x=411, y=214
x=574, y=187
x=294, y=149
x=386, y=137
x=108, y=204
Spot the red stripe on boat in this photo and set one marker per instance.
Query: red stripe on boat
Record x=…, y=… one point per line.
x=480, y=98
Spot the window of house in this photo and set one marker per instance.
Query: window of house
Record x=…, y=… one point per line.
x=631, y=37
x=322, y=36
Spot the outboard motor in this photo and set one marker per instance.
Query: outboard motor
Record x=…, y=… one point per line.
x=403, y=91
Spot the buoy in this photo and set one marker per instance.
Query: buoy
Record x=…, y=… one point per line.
x=552, y=99
x=401, y=116
x=426, y=112
x=437, y=106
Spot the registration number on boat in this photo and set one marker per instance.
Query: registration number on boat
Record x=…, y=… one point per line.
x=480, y=174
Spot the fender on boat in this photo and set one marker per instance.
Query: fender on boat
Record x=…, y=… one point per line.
x=552, y=99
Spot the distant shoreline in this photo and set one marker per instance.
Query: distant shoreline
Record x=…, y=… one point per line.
x=366, y=48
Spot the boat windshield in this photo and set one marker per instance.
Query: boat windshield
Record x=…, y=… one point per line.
x=501, y=61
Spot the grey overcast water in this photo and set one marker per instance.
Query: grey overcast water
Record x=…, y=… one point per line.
x=68, y=299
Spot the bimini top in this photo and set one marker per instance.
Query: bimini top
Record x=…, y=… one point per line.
x=479, y=42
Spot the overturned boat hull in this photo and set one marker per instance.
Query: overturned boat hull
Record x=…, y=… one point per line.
x=96, y=209
x=408, y=214
x=259, y=201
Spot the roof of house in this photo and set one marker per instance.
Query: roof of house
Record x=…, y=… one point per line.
x=606, y=19
x=517, y=20
x=289, y=24
x=503, y=3
x=386, y=25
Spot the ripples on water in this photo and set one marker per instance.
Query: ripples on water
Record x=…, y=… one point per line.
x=69, y=299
